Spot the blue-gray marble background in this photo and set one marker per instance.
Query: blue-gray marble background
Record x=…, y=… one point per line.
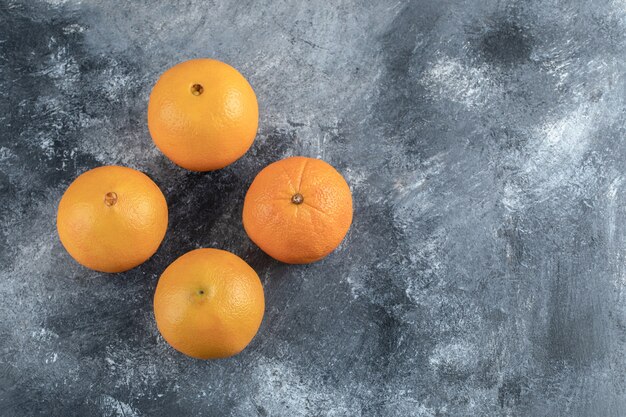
x=484, y=273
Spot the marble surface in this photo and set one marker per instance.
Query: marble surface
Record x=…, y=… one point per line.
x=484, y=273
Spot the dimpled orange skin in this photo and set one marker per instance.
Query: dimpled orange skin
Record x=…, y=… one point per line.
x=209, y=304
x=203, y=114
x=298, y=210
x=112, y=218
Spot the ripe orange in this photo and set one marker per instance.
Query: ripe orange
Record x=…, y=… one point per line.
x=112, y=218
x=203, y=114
x=298, y=210
x=209, y=304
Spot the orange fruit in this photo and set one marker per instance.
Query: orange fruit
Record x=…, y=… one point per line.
x=209, y=304
x=298, y=210
x=203, y=114
x=112, y=218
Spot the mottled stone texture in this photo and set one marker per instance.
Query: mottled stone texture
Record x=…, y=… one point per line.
x=484, y=274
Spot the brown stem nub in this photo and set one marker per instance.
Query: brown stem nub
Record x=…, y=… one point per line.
x=110, y=198
x=197, y=89
x=297, y=198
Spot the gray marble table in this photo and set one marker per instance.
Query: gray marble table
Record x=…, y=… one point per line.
x=484, y=273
